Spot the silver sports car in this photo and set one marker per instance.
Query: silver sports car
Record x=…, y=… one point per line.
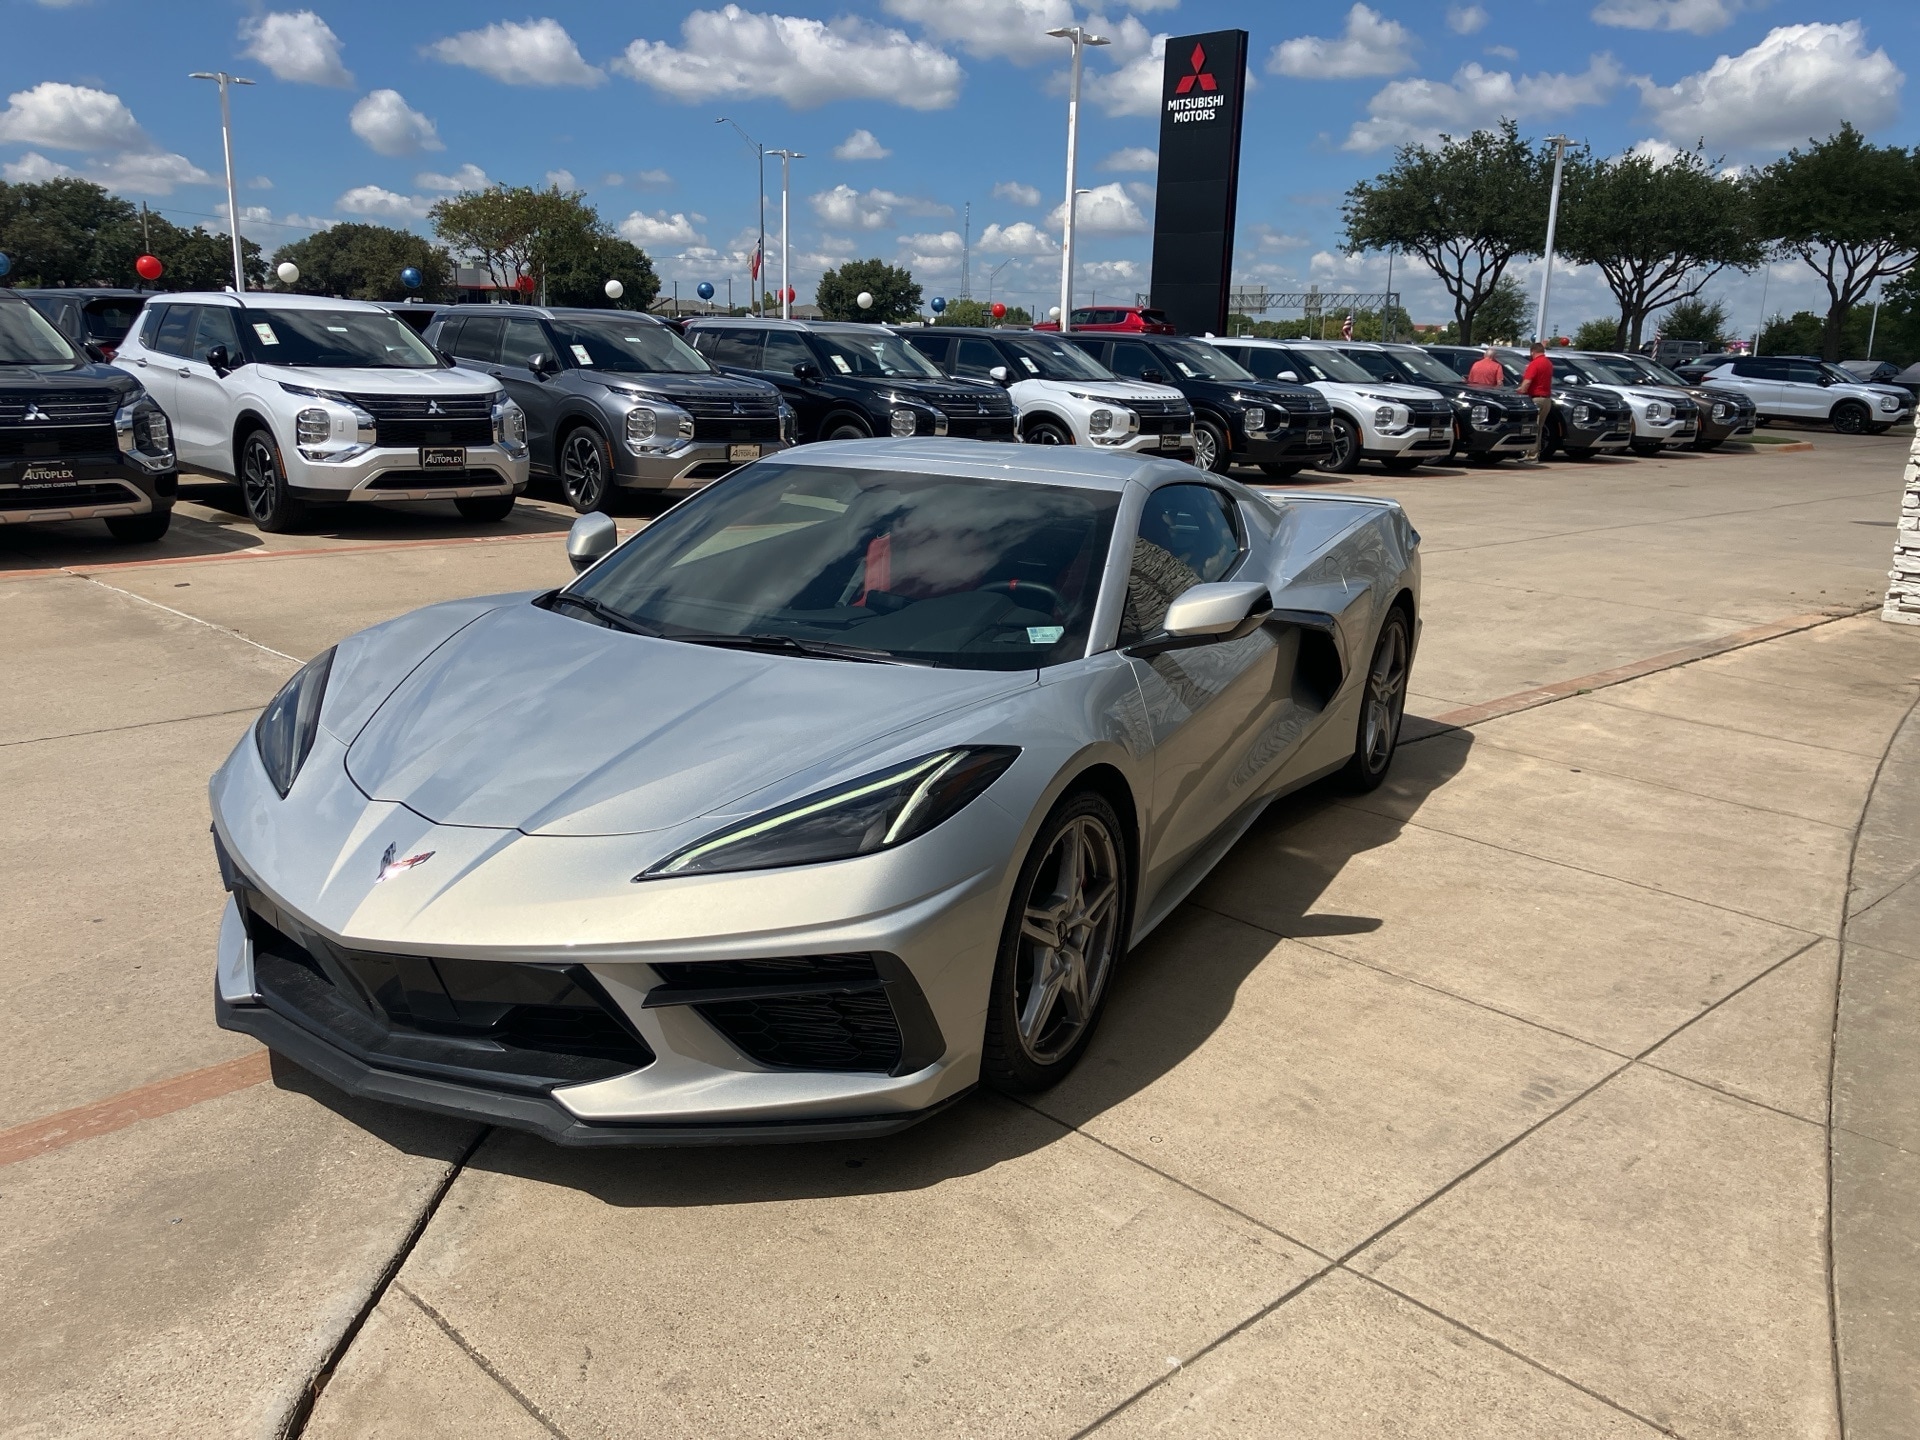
x=838, y=790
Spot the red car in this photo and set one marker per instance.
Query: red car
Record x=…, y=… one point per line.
x=1140, y=319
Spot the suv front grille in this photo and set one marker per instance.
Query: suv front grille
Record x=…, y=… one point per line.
x=60, y=407
x=709, y=407
x=972, y=402
x=765, y=429
x=33, y=441
x=407, y=420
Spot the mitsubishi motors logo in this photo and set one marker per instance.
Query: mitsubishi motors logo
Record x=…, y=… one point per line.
x=1199, y=76
x=35, y=414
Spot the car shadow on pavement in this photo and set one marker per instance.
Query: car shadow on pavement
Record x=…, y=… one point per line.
x=85, y=544
x=415, y=520
x=1170, y=995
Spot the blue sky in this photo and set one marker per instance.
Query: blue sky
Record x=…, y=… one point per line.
x=909, y=109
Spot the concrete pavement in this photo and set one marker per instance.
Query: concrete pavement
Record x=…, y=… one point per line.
x=1498, y=1102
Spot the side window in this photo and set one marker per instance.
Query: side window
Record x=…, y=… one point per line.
x=1188, y=536
x=175, y=336
x=1267, y=364
x=937, y=348
x=977, y=359
x=785, y=349
x=479, y=339
x=443, y=335
x=216, y=328
x=1803, y=372
x=731, y=346
x=1375, y=363
x=525, y=337
x=1132, y=359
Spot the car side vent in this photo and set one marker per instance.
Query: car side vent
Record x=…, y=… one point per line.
x=1317, y=672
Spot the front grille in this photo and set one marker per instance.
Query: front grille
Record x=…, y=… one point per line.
x=708, y=407
x=992, y=427
x=429, y=419
x=1178, y=424
x=37, y=440
x=971, y=402
x=63, y=497
x=820, y=1012
x=59, y=407
x=1147, y=409
x=433, y=432
x=1307, y=402
x=734, y=429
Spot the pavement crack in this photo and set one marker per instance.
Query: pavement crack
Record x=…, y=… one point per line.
x=136, y=725
x=492, y=1371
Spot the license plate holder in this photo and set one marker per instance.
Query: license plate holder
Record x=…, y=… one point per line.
x=443, y=457
x=1437, y=432
x=47, y=477
x=741, y=454
x=1173, y=440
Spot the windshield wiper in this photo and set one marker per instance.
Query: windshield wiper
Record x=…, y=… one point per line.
x=793, y=645
x=604, y=613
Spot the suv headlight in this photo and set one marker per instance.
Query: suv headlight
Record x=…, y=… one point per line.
x=902, y=422
x=1481, y=414
x=1887, y=402
x=143, y=435
x=509, y=425
x=1583, y=414
x=284, y=733
x=657, y=426
x=1656, y=411
x=312, y=426
x=334, y=430
x=875, y=812
x=641, y=425
x=1099, y=422
x=1256, y=420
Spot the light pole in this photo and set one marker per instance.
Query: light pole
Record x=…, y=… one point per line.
x=1559, y=143
x=1080, y=39
x=761, y=151
x=226, y=143
x=1386, y=305
x=786, y=299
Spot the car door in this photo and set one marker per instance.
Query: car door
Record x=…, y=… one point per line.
x=1210, y=709
x=1759, y=378
x=781, y=351
x=1803, y=394
x=521, y=339
x=1137, y=362
x=204, y=406
x=165, y=338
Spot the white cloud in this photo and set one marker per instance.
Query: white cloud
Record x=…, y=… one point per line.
x=531, y=52
x=849, y=208
x=295, y=45
x=1798, y=83
x=260, y=182
x=467, y=177
x=390, y=126
x=33, y=167
x=1370, y=45
x=804, y=62
x=1419, y=110
x=1016, y=192
x=1133, y=88
x=1022, y=237
x=946, y=242
x=1013, y=30
x=1106, y=272
x=383, y=204
x=561, y=180
x=1698, y=17
x=652, y=177
x=147, y=172
x=70, y=117
x=1103, y=210
x=1658, y=151
x=1133, y=158
x=1466, y=19
x=860, y=145
x=659, y=229
x=1503, y=52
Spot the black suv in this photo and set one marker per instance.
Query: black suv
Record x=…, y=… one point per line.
x=1488, y=425
x=79, y=440
x=615, y=401
x=848, y=382
x=1237, y=418
x=95, y=316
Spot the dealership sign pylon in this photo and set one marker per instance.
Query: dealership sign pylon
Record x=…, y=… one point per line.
x=1201, y=90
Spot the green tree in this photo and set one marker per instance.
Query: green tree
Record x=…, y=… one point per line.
x=896, y=295
x=963, y=312
x=552, y=235
x=73, y=232
x=583, y=262
x=1597, y=335
x=1506, y=314
x=1696, y=319
x=1466, y=210
x=363, y=262
x=1850, y=210
x=1658, y=231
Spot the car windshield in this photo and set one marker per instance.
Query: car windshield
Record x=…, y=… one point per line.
x=336, y=340
x=634, y=346
x=27, y=339
x=929, y=569
x=1616, y=370
x=1196, y=361
x=1839, y=376
x=1053, y=360
x=1329, y=365
x=109, y=320
x=1424, y=366
x=873, y=352
x=1154, y=317
x=1656, y=373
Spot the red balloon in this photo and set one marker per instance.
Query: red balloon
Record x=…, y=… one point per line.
x=524, y=284
x=999, y=311
x=792, y=294
x=149, y=267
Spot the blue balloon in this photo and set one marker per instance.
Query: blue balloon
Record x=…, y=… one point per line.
x=5, y=264
x=939, y=303
x=410, y=278
x=704, y=289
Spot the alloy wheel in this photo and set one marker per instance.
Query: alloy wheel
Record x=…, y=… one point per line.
x=259, y=476
x=1047, y=433
x=1850, y=419
x=1205, y=453
x=583, y=472
x=1345, y=445
x=1386, y=697
x=1069, y=936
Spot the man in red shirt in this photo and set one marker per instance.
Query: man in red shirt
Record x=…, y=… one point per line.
x=1537, y=382
x=1486, y=371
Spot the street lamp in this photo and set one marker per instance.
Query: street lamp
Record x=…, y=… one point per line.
x=1077, y=35
x=786, y=297
x=761, y=151
x=226, y=142
x=1559, y=143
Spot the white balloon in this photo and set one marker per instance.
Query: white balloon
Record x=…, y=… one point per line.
x=288, y=272
x=1053, y=312
x=864, y=299
x=615, y=289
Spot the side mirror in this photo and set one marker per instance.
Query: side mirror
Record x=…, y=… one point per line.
x=446, y=357
x=1208, y=614
x=95, y=353
x=219, y=359
x=1154, y=377
x=1291, y=376
x=806, y=370
x=590, y=541
x=1826, y=379
x=998, y=374
x=540, y=365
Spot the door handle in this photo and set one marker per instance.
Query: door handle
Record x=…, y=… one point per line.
x=141, y=361
x=497, y=374
x=183, y=370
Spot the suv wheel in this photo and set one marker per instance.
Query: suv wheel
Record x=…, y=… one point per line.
x=1345, y=454
x=140, y=529
x=586, y=470
x=1047, y=432
x=1850, y=417
x=845, y=427
x=1210, y=449
x=270, y=503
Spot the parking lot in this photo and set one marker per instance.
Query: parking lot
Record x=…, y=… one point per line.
x=1567, y=1085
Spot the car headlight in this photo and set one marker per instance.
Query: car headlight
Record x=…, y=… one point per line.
x=1656, y=411
x=1481, y=415
x=142, y=433
x=642, y=424
x=875, y=812
x=1583, y=414
x=902, y=422
x=1256, y=420
x=285, y=730
x=1887, y=402
x=1099, y=422
x=1383, y=416
x=312, y=426
x=509, y=424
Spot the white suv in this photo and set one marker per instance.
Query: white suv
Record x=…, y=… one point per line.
x=1401, y=426
x=301, y=398
x=1063, y=395
x=1784, y=387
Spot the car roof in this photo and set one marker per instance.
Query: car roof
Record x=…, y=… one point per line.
x=88, y=292
x=968, y=330
x=547, y=312
x=271, y=299
x=1079, y=466
x=728, y=322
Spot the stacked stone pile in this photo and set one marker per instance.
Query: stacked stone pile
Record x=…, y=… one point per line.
x=1903, y=594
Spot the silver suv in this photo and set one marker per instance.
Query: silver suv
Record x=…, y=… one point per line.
x=1789, y=387
x=305, y=399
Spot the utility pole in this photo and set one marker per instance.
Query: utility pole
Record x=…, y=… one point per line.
x=1386, y=306
x=1873, y=327
x=1080, y=39
x=1559, y=143
x=226, y=143
x=759, y=150
x=786, y=298
x=1760, y=326
x=966, y=254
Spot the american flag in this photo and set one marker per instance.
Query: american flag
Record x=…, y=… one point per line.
x=1346, y=328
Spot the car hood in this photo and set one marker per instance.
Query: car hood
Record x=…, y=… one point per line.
x=1112, y=389
x=1387, y=389
x=80, y=380
x=676, y=386
x=540, y=722
x=343, y=380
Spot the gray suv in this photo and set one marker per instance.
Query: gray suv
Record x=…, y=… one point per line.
x=615, y=401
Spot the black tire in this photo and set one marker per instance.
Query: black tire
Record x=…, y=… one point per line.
x=1850, y=417
x=1047, y=431
x=1282, y=471
x=140, y=529
x=270, y=503
x=1402, y=464
x=845, y=427
x=1032, y=1040
x=486, y=508
x=1344, y=456
x=586, y=470
x=1553, y=439
x=1713, y=444
x=1383, y=704
x=1646, y=449
x=1580, y=452
x=1878, y=429
x=1210, y=444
